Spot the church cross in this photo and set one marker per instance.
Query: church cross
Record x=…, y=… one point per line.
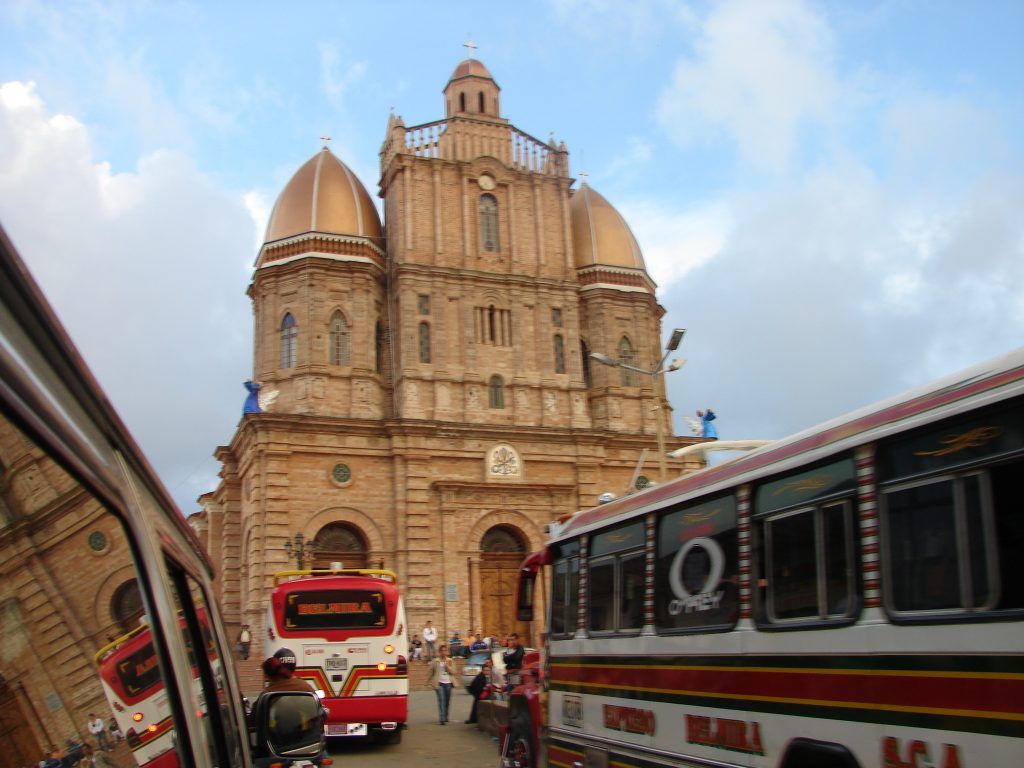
x=469, y=45
x=325, y=138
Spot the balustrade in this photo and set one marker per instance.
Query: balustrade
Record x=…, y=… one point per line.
x=462, y=139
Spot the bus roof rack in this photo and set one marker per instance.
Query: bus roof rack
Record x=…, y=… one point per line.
x=113, y=644
x=377, y=573
x=719, y=445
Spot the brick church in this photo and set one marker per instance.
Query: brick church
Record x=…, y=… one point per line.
x=436, y=405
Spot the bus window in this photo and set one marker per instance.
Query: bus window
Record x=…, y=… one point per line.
x=805, y=546
x=697, y=567
x=952, y=515
x=78, y=664
x=565, y=579
x=615, y=576
x=212, y=657
x=946, y=540
x=336, y=609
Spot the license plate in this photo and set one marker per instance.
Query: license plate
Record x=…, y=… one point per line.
x=346, y=729
x=335, y=664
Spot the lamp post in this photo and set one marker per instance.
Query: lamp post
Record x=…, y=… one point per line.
x=300, y=549
x=659, y=370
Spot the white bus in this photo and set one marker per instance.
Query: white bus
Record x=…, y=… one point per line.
x=347, y=629
x=849, y=597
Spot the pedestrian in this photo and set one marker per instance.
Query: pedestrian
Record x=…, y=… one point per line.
x=99, y=732
x=478, y=688
x=455, y=644
x=441, y=677
x=513, y=655
x=93, y=759
x=430, y=638
x=417, y=648
x=116, y=734
x=244, y=642
x=478, y=644
x=279, y=671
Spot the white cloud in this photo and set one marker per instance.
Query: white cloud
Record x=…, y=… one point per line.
x=675, y=241
x=145, y=270
x=762, y=73
x=335, y=81
x=819, y=301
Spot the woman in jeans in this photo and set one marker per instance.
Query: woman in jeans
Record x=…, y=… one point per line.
x=441, y=676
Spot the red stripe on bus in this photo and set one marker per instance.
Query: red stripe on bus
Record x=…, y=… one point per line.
x=959, y=692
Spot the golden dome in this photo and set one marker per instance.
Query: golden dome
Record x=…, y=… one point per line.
x=600, y=236
x=470, y=68
x=324, y=196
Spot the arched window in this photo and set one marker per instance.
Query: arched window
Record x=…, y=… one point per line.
x=585, y=355
x=462, y=102
x=481, y=100
x=559, y=353
x=378, y=347
x=289, y=349
x=496, y=392
x=626, y=357
x=502, y=539
x=126, y=606
x=339, y=543
x=339, y=354
x=489, y=223
x=424, y=342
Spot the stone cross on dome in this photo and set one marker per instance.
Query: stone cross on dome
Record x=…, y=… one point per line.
x=469, y=45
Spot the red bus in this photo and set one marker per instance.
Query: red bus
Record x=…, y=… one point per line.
x=347, y=629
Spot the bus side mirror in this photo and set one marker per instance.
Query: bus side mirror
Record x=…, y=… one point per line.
x=524, y=595
x=288, y=724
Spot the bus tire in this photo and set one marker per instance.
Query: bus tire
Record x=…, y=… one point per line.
x=807, y=753
x=518, y=752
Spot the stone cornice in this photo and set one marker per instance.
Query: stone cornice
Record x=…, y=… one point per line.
x=331, y=245
x=615, y=278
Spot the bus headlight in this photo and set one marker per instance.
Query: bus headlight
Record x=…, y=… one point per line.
x=137, y=717
x=389, y=648
x=382, y=666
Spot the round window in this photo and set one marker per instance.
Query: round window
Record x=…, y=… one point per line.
x=341, y=473
x=97, y=541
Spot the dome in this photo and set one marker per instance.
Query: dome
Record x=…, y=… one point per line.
x=324, y=196
x=470, y=68
x=600, y=236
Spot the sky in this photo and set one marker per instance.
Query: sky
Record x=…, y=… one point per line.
x=828, y=194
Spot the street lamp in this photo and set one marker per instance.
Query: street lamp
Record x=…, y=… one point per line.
x=673, y=344
x=300, y=549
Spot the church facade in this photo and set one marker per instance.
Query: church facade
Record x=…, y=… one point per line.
x=435, y=405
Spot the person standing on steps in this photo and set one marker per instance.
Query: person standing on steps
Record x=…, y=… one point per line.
x=430, y=640
x=441, y=677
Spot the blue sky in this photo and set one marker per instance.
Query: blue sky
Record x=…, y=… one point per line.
x=828, y=194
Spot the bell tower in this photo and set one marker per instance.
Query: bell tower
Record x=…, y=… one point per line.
x=483, y=284
x=472, y=92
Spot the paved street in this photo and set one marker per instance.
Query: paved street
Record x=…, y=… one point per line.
x=456, y=745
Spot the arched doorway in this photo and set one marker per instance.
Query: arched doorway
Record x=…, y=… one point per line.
x=20, y=747
x=126, y=606
x=340, y=543
x=502, y=549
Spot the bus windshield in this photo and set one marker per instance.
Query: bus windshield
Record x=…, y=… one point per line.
x=335, y=609
x=137, y=672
